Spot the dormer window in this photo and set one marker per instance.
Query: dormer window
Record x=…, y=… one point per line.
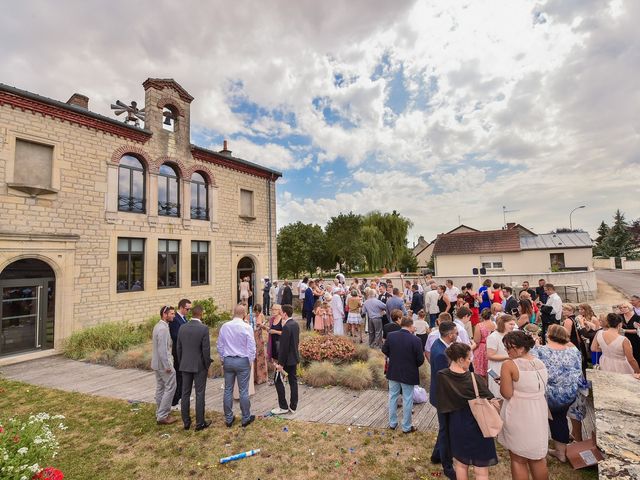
x=169, y=119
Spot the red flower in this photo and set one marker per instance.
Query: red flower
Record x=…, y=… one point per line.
x=16, y=439
x=49, y=473
x=1, y=429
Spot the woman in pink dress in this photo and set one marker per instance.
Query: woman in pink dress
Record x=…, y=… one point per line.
x=480, y=334
x=617, y=353
x=525, y=433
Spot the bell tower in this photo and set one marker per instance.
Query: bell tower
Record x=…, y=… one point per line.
x=167, y=115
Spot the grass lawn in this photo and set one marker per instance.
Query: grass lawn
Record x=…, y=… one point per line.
x=112, y=439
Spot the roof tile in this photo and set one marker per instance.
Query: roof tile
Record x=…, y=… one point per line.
x=491, y=241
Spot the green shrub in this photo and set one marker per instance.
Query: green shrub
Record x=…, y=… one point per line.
x=321, y=374
x=116, y=336
x=146, y=327
x=356, y=376
x=212, y=317
x=135, y=357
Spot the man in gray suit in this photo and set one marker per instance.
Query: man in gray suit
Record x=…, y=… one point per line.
x=162, y=364
x=194, y=352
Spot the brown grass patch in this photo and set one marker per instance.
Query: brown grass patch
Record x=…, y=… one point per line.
x=321, y=374
x=137, y=357
x=362, y=352
x=356, y=376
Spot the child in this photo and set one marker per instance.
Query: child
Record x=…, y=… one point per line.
x=327, y=317
x=318, y=311
x=532, y=330
x=422, y=328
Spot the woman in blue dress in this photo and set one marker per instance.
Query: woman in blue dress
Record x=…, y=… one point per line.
x=454, y=389
x=485, y=294
x=564, y=365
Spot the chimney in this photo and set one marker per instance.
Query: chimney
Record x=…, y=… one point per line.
x=78, y=100
x=511, y=225
x=225, y=150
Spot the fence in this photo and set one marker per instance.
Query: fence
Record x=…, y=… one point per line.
x=622, y=263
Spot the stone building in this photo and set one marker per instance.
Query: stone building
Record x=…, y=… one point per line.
x=102, y=220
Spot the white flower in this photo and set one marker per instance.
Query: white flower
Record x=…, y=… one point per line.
x=62, y=426
x=35, y=468
x=58, y=417
x=23, y=450
x=23, y=478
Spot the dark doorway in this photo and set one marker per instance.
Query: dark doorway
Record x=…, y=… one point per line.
x=618, y=262
x=27, y=309
x=246, y=268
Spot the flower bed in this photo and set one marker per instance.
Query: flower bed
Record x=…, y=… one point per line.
x=26, y=444
x=327, y=347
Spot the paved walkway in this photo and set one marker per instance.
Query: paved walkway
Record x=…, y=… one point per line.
x=627, y=281
x=334, y=405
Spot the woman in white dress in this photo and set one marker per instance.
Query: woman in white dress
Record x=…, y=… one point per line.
x=496, y=352
x=245, y=291
x=337, y=308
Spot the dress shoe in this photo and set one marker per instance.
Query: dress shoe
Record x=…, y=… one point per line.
x=249, y=422
x=167, y=421
x=435, y=460
x=393, y=427
x=204, y=425
x=411, y=430
x=187, y=426
x=229, y=424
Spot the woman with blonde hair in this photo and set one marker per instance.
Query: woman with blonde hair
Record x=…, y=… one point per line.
x=564, y=367
x=573, y=329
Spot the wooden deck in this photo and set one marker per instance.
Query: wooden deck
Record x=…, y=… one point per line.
x=335, y=405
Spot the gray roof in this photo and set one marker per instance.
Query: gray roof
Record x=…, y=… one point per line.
x=556, y=240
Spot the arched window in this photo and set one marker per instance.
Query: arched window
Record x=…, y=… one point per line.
x=168, y=192
x=199, y=198
x=169, y=118
x=131, y=185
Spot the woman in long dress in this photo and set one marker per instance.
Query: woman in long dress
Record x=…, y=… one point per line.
x=525, y=433
x=245, y=291
x=454, y=390
x=496, y=351
x=261, y=373
x=480, y=335
x=617, y=353
x=337, y=308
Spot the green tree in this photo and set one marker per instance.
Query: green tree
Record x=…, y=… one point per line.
x=302, y=247
x=344, y=240
x=619, y=241
x=376, y=249
x=603, y=231
x=407, y=261
x=394, y=227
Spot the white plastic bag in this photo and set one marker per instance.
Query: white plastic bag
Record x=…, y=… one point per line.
x=419, y=394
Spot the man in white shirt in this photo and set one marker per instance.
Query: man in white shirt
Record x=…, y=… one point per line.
x=452, y=292
x=431, y=304
x=273, y=292
x=635, y=302
x=554, y=301
x=462, y=320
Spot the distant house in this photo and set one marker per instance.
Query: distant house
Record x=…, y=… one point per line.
x=423, y=250
x=513, y=250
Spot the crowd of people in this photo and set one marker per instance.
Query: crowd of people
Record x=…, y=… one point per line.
x=526, y=351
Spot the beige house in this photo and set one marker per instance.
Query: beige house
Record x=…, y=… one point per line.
x=423, y=250
x=511, y=251
x=103, y=220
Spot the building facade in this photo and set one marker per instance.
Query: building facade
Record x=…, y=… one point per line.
x=104, y=221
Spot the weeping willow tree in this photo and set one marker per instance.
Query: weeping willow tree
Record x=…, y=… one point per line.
x=394, y=228
x=376, y=249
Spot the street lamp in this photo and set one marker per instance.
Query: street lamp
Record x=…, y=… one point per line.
x=571, y=224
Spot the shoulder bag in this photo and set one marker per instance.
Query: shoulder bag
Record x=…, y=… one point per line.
x=485, y=413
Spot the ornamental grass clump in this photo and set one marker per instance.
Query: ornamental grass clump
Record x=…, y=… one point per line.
x=27, y=444
x=326, y=347
x=356, y=376
x=117, y=336
x=321, y=374
x=376, y=367
x=362, y=352
x=136, y=357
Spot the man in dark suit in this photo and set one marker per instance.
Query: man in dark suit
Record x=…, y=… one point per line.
x=288, y=359
x=404, y=351
x=439, y=361
x=541, y=292
x=194, y=354
x=287, y=294
x=180, y=319
x=394, y=325
x=417, y=300
x=511, y=305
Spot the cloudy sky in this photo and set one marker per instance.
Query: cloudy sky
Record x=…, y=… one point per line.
x=444, y=110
